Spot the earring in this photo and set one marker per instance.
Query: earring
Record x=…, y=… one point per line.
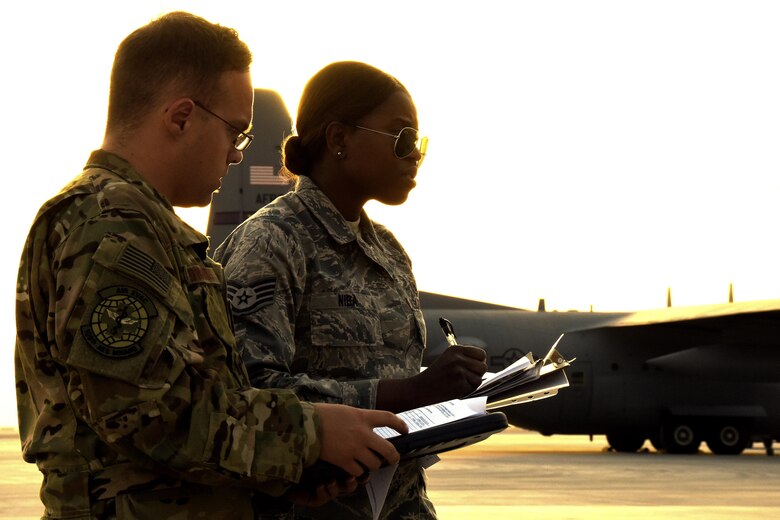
x=340, y=154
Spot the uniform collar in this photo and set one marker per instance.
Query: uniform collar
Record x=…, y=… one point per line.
x=327, y=214
x=120, y=167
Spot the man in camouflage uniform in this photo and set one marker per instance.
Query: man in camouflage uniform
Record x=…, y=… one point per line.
x=132, y=399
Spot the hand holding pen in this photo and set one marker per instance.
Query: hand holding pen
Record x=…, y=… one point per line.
x=454, y=374
x=458, y=370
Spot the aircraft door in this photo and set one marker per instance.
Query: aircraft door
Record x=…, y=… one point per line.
x=575, y=400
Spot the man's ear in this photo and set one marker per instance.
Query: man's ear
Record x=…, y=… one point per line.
x=178, y=115
x=335, y=137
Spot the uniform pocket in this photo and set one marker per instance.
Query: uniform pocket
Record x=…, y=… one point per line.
x=344, y=320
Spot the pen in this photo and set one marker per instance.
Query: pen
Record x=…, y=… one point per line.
x=449, y=332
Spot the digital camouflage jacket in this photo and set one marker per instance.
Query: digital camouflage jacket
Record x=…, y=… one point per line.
x=327, y=311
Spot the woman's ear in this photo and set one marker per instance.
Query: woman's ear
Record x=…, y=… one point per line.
x=336, y=139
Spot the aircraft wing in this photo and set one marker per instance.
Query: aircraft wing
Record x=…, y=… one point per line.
x=429, y=300
x=708, y=313
x=726, y=342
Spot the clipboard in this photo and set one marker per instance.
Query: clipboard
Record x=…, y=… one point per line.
x=545, y=386
x=449, y=436
x=430, y=441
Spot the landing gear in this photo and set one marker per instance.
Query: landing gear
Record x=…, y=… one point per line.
x=680, y=436
x=728, y=439
x=626, y=442
x=684, y=435
x=770, y=450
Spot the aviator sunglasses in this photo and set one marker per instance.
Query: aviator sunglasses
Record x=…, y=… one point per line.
x=406, y=142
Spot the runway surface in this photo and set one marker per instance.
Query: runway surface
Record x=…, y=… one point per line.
x=519, y=474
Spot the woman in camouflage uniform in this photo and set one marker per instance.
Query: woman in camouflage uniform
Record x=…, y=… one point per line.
x=324, y=299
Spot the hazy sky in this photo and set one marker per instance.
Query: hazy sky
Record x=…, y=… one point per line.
x=588, y=152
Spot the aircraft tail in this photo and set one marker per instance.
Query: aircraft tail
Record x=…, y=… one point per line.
x=256, y=181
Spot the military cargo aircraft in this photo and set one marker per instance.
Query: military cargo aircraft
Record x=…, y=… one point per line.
x=675, y=376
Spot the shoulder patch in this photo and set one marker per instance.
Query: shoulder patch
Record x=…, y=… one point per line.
x=119, y=321
x=145, y=268
x=247, y=299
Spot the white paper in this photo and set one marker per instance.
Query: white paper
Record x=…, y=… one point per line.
x=436, y=414
x=378, y=486
x=522, y=364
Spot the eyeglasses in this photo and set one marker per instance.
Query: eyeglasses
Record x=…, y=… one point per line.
x=242, y=140
x=406, y=142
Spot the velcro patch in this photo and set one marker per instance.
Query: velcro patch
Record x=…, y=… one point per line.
x=201, y=274
x=247, y=299
x=145, y=268
x=119, y=321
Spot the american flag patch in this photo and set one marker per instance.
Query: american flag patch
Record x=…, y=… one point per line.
x=264, y=176
x=247, y=299
x=145, y=268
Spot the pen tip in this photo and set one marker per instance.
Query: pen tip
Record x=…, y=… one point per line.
x=446, y=326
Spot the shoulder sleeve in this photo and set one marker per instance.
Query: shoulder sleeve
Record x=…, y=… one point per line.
x=266, y=269
x=151, y=377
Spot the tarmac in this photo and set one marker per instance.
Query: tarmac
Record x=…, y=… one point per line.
x=523, y=475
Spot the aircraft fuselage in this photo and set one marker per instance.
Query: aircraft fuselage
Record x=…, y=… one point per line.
x=672, y=383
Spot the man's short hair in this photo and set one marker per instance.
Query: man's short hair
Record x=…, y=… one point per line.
x=176, y=52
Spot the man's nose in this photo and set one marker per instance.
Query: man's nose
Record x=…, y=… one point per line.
x=235, y=156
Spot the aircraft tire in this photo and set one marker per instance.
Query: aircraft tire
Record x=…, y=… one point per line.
x=728, y=439
x=625, y=442
x=680, y=437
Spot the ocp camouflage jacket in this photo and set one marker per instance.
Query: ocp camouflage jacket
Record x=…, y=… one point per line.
x=129, y=386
